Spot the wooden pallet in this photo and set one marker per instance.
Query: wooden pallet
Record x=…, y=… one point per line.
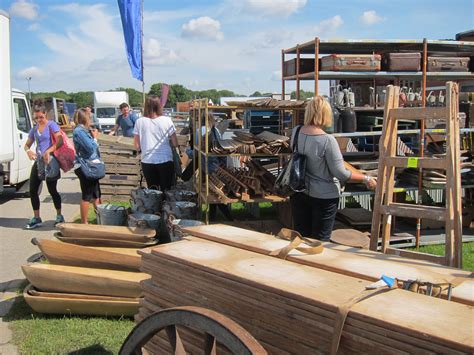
x=385, y=208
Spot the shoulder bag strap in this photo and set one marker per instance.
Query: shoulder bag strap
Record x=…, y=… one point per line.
x=295, y=139
x=51, y=135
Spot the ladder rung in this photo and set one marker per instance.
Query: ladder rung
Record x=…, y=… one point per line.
x=418, y=113
x=415, y=211
x=424, y=163
x=416, y=255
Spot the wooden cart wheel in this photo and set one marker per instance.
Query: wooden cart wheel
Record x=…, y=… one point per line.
x=215, y=326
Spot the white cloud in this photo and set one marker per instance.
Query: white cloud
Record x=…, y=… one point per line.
x=95, y=35
x=156, y=54
x=276, y=76
x=328, y=26
x=33, y=72
x=25, y=9
x=272, y=40
x=273, y=7
x=34, y=27
x=203, y=27
x=371, y=18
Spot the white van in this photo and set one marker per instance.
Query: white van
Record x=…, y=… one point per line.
x=15, y=120
x=106, y=107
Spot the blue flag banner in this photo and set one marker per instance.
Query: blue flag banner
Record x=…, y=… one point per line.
x=131, y=14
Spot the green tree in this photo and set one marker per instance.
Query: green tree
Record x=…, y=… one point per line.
x=58, y=94
x=135, y=97
x=177, y=93
x=303, y=95
x=256, y=94
x=83, y=98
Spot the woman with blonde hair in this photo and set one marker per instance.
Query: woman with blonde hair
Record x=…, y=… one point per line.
x=85, y=142
x=314, y=210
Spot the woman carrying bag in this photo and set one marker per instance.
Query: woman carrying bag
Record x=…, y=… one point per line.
x=155, y=137
x=314, y=209
x=87, y=153
x=45, y=167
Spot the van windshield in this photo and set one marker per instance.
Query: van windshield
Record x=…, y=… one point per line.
x=105, y=112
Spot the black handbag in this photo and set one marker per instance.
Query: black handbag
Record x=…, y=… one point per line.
x=292, y=178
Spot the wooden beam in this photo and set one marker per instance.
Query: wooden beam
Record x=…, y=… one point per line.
x=415, y=211
x=416, y=255
x=424, y=163
x=419, y=113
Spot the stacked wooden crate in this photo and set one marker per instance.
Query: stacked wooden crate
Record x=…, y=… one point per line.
x=122, y=167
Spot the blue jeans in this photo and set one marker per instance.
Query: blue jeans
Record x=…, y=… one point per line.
x=313, y=217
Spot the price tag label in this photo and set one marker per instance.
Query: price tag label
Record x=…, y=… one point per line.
x=398, y=189
x=438, y=131
x=412, y=163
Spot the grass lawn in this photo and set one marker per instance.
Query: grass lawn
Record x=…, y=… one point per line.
x=467, y=253
x=35, y=333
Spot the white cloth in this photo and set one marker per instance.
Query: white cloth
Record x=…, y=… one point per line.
x=154, y=137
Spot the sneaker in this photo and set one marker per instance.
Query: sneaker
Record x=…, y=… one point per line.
x=59, y=219
x=35, y=222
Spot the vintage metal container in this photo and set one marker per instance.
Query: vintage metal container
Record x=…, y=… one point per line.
x=454, y=64
x=351, y=62
x=402, y=62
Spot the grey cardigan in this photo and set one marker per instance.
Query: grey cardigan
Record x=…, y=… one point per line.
x=324, y=165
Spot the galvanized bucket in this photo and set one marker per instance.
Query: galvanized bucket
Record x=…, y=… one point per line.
x=146, y=201
x=179, y=210
x=111, y=215
x=144, y=220
x=181, y=195
x=175, y=225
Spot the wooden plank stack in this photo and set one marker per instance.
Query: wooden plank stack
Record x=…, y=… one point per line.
x=122, y=167
x=363, y=264
x=292, y=308
x=104, y=289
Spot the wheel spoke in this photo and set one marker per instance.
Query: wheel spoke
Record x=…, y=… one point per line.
x=210, y=345
x=175, y=340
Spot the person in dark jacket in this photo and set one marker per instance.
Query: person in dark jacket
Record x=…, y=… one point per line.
x=85, y=142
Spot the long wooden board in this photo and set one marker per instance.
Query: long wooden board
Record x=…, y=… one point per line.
x=97, y=242
x=80, y=304
x=396, y=311
x=72, y=279
x=75, y=230
x=363, y=264
x=75, y=255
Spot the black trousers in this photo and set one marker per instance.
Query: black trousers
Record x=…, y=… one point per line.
x=159, y=176
x=313, y=217
x=35, y=183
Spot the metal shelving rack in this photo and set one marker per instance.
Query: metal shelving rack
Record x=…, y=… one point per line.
x=199, y=114
x=318, y=47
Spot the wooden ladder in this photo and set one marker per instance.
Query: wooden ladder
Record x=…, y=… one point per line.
x=385, y=208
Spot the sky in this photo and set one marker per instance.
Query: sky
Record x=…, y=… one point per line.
x=220, y=44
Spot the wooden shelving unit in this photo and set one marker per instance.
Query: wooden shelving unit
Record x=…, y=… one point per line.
x=315, y=48
x=199, y=115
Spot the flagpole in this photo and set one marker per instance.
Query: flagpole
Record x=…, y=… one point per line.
x=143, y=69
